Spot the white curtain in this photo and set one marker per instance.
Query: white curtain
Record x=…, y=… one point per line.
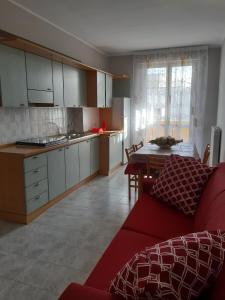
x=169, y=93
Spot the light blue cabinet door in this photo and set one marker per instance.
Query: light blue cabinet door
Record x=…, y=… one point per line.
x=58, y=83
x=82, y=88
x=72, y=165
x=13, y=86
x=94, y=155
x=39, y=73
x=100, y=89
x=74, y=87
x=85, y=159
x=115, y=150
x=108, y=91
x=56, y=172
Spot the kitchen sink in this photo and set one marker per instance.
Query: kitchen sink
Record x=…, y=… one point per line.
x=73, y=136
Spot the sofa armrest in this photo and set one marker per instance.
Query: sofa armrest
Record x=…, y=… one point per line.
x=79, y=292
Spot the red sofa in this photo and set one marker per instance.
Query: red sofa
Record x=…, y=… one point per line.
x=151, y=222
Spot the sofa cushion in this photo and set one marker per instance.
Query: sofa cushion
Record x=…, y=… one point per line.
x=181, y=182
x=177, y=269
x=152, y=217
x=125, y=244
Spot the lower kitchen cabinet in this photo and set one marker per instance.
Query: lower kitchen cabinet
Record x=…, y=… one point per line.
x=85, y=159
x=39, y=180
x=72, y=165
x=115, y=150
x=56, y=172
x=110, y=152
x=94, y=155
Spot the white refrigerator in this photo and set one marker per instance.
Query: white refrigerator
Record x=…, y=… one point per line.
x=121, y=112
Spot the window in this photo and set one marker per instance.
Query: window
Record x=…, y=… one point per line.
x=168, y=105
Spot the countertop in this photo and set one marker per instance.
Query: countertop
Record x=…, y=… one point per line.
x=26, y=150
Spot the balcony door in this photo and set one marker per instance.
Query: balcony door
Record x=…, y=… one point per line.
x=168, y=103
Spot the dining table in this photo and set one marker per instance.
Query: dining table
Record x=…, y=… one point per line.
x=154, y=151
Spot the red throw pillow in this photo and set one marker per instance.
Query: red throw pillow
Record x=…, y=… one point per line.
x=177, y=269
x=181, y=182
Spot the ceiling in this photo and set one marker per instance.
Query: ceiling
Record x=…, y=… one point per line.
x=123, y=26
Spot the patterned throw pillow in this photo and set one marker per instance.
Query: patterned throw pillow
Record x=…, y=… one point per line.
x=181, y=182
x=177, y=269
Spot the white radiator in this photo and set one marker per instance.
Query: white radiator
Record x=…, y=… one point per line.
x=215, y=146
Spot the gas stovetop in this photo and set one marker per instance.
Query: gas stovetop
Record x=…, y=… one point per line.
x=50, y=140
x=43, y=141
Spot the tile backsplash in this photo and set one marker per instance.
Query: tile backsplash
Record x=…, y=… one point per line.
x=21, y=123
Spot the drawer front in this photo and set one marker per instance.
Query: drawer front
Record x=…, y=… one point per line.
x=35, y=175
x=36, y=189
x=34, y=162
x=36, y=202
x=40, y=96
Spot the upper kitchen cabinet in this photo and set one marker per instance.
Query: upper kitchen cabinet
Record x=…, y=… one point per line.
x=58, y=83
x=99, y=89
x=39, y=79
x=13, y=84
x=75, y=88
x=108, y=90
x=95, y=89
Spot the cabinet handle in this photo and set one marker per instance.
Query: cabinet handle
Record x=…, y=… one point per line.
x=48, y=89
x=61, y=149
x=67, y=147
x=56, y=104
x=37, y=184
x=34, y=157
x=37, y=197
x=36, y=171
x=21, y=104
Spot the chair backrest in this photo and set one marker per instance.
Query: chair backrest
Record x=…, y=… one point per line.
x=206, y=154
x=138, y=146
x=154, y=163
x=129, y=151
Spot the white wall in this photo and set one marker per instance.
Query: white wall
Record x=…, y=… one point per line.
x=221, y=104
x=15, y=20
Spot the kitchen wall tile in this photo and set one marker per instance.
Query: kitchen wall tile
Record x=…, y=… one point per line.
x=22, y=123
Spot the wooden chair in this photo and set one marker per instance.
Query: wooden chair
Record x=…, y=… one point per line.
x=206, y=154
x=131, y=172
x=154, y=166
x=138, y=146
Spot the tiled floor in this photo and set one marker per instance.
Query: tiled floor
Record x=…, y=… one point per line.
x=37, y=261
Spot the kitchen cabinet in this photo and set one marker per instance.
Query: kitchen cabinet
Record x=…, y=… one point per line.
x=13, y=86
x=72, y=165
x=40, y=179
x=85, y=159
x=74, y=87
x=110, y=152
x=39, y=79
x=56, y=172
x=94, y=155
x=108, y=91
x=99, y=89
x=36, y=182
x=58, y=83
x=115, y=150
